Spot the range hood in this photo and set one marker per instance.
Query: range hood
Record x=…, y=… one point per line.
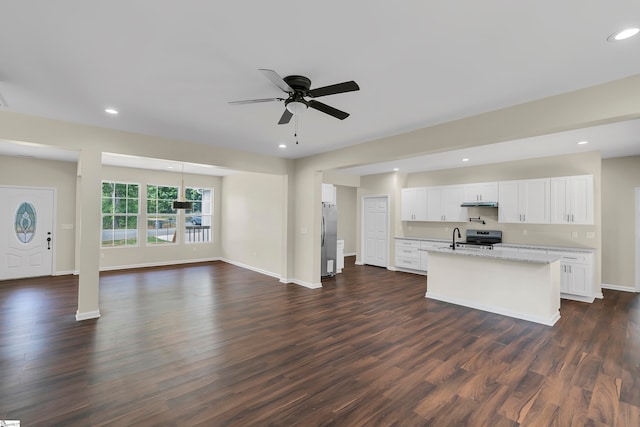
x=480, y=204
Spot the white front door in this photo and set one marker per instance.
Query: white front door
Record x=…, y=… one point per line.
x=376, y=231
x=26, y=232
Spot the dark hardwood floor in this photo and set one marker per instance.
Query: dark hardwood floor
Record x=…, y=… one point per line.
x=216, y=345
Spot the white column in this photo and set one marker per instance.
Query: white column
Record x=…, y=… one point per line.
x=88, y=232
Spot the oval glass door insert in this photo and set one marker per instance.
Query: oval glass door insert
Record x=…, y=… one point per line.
x=25, y=224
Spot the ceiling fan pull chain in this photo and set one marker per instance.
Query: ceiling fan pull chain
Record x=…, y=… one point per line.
x=295, y=134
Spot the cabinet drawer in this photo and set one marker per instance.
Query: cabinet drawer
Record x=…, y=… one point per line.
x=428, y=245
x=409, y=253
x=572, y=257
x=408, y=263
x=407, y=244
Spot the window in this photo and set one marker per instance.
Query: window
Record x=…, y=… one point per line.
x=120, y=214
x=161, y=217
x=198, y=219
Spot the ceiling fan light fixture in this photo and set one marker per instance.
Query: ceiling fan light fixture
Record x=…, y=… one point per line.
x=296, y=107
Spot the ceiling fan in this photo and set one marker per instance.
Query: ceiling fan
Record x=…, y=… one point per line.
x=299, y=87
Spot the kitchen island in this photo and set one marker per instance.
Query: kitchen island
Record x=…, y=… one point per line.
x=521, y=285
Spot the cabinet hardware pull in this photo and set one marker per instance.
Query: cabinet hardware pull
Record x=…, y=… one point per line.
x=572, y=220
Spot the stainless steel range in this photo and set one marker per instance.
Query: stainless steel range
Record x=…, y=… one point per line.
x=480, y=239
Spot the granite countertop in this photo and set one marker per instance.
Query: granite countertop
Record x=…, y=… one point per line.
x=423, y=239
x=542, y=247
x=498, y=254
x=508, y=245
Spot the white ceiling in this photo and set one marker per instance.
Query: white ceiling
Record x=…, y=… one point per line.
x=170, y=68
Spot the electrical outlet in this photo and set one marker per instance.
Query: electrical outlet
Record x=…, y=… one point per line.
x=574, y=234
x=524, y=232
x=591, y=235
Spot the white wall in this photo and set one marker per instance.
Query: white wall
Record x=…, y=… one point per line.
x=347, y=214
x=620, y=177
x=253, y=206
x=28, y=172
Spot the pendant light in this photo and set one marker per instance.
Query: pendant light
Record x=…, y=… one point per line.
x=182, y=204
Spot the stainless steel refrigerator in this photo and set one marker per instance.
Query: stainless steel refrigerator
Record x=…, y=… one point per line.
x=329, y=239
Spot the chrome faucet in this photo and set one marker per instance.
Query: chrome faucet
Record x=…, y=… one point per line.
x=453, y=243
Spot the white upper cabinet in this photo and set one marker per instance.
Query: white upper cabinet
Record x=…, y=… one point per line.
x=443, y=204
x=572, y=200
x=481, y=192
x=414, y=204
x=524, y=201
x=328, y=194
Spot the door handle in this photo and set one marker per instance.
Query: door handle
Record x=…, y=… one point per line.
x=48, y=240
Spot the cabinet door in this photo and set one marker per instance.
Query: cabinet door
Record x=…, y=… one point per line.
x=328, y=194
x=407, y=204
x=559, y=201
x=509, y=207
x=534, y=201
x=565, y=279
x=414, y=204
x=434, y=204
x=488, y=191
x=451, y=199
x=420, y=204
x=581, y=199
x=578, y=282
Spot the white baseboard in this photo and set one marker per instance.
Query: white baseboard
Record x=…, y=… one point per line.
x=350, y=254
x=577, y=298
x=249, y=267
x=87, y=315
x=408, y=270
x=618, y=288
x=158, y=264
x=66, y=273
x=359, y=263
x=549, y=321
x=305, y=284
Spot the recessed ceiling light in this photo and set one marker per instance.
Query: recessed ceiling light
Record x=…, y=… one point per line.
x=169, y=167
x=583, y=142
x=624, y=34
x=282, y=146
x=111, y=111
x=465, y=160
x=396, y=169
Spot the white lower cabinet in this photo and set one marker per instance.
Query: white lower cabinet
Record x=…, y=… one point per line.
x=408, y=254
x=413, y=254
x=424, y=254
x=340, y=256
x=576, y=271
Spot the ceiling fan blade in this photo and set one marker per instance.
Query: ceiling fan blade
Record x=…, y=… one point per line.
x=333, y=89
x=276, y=80
x=328, y=109
x=254, y=101
x=286, y=117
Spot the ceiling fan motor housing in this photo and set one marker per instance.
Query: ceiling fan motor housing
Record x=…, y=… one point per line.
x=299, y=84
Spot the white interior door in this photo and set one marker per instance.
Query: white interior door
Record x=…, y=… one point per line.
x=376, y=234
x=26, y=232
